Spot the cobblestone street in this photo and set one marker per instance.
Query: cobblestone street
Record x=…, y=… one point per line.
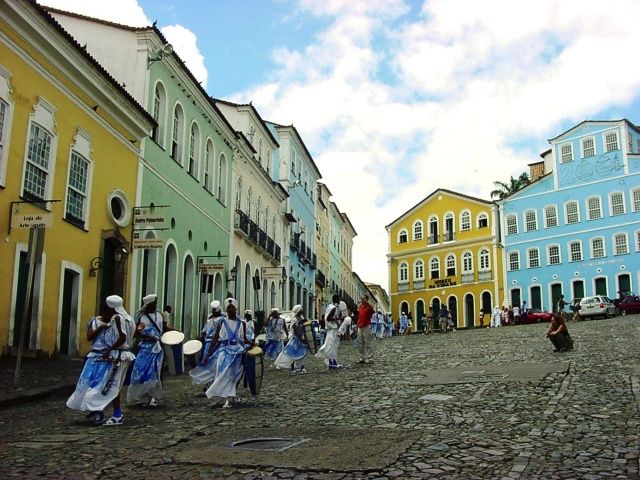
x=471, y=404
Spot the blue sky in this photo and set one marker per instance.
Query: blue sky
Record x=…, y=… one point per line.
x=395, y=98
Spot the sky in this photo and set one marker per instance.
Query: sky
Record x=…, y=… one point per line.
x=396, y=98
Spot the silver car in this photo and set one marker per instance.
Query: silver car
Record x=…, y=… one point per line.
x=597, y=305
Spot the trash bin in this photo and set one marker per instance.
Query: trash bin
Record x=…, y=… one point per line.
x=173, y=353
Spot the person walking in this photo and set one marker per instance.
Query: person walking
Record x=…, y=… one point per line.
x=332, y=319
x=294, y=353
x=444, y=318
x=404, y=324
x=204, y=373
x=365, y=339
x=276, y=333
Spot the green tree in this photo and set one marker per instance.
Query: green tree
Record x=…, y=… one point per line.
x=504, y=189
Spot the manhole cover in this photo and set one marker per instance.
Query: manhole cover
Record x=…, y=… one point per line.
x=271, y=444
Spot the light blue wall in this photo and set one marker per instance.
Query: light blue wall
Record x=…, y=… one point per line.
x=577, y=180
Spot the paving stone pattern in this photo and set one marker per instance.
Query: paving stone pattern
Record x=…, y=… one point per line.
x=378, y=421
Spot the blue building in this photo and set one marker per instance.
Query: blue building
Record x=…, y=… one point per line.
x=575, y=230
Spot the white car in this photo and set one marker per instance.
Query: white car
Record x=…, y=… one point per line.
x=597, y=305
x=287, y=315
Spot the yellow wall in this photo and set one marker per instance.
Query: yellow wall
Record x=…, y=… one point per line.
x=114, y=166
x=439, y=204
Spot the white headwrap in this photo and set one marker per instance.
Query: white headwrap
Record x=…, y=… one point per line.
x=275, y=310
x=215, y=305
x=231, y=301
x=296, y=309
x=149, y=299
x=342, y=307
x=116, y=302
x=248, y=312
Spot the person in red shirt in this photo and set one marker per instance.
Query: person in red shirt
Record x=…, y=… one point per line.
x=365, y=337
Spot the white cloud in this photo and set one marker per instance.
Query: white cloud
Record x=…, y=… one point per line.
x=184, y=42
x=473, y=80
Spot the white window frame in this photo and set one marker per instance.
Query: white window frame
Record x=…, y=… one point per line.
x=400, y=233
x=584, y=153
x=637, y=237
x=593, y=249
x=467, y=262
x=82, y=148
x=418, y=269
x=194, y=151
x=566, y=152
x=403, y=272
x=434, y=261
x=573, y=252
x=160, y=113
x=223, y=169
x=527, y=221
x=589, y=210
x=44, y=117
x=550, y=212
x=5, y=127
x=616, y=245
x=209, y=165
x=482, y=216
x=550, y=255
x=177, y=134
x=530, y=251
x=608, y=144
x=511, y=256
x=567, y=218
x=238, y=205
x=418, y=230
x=512, y=228
x=620, y=204
x=465, y=220
x=484, y=260
x=635, y=200
x=451, y=258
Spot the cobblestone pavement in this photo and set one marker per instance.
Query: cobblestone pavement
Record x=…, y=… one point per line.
x=471, y=404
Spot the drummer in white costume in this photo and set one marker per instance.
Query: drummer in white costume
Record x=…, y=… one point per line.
x=146, y=381
x=231, y=341
x=293, y=355
x=333, y=319
x=106, y=365
x=204, y=373
x=250, y=325
x=276, y=333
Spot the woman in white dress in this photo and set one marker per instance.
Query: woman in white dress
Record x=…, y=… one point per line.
x=203, y=374
x=329, y=349
x=293, y=355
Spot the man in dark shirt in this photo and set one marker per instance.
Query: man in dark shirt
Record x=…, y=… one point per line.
x=365, y=337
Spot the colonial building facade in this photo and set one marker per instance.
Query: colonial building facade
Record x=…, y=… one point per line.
x=444, y=250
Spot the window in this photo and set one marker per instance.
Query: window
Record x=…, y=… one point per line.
x=616, y=203
x=514, y=261
x=448, y=227
x=635, y=199
x=483, y=220
x=533, y=258
x=4, y=138
x=78, y=181
x=553, y=254
x=566, y=153
x=417, y=230
x=451, y=265
x=208, y=166
x=611, y=142
x=575, y=251
x=222, y=179
x=259, y=212
x=594, y=210
x=465, y=221
x=571, y=212
x=483, y=258
x=621, y=246
x=434, y=267
x=433, y=230
x=403, y=272
x=418, y=270
x=530, y=220
x=597, y=247
x=176, y=134
x=159, y=102
x=39, y=162
x=638, y=241
x=467, y=262
x=239, y=194
x=6, y=115
x=403, y=236
x=293, y=161
x=249, y=201
x=512, y=224
x=194, y=150
x=588, y=147
x=550, y=216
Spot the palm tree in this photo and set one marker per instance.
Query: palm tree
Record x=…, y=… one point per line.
x=505, y=189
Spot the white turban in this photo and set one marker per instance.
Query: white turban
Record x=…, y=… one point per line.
x=231, y=301
x=342, y=307
x=275, y=310
x=215, y=305
x=248, y=312
x=116, y=302
x=296, y=309
x=149, y=299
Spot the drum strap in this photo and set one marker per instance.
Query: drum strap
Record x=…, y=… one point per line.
x=153, y=324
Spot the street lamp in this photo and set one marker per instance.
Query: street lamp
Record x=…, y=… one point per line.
x=96, y=264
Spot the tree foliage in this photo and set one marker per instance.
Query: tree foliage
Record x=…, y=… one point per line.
x=504, y=189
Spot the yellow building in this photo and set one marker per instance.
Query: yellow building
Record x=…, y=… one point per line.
x=444, y=250
x=70, y=141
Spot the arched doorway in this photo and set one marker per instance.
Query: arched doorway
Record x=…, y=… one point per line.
x=515, y=298
x=246, y=296
x=170, y=271
x=149, y=263
x=435, y=304
x=420, y=324
x=624, y=284
x=404, y=308
x=452, y=305
x=486, y=303
x=556, y=291
x=536, y=298
x=469, y=310
x=187, y=296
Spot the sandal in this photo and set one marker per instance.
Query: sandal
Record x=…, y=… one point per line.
x=114, y=421
x=97, y=418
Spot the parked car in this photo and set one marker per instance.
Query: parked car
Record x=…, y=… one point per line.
x=533, y=315
x=574, y=303
x=630, y=304
x=597, y=305
x=621, y=296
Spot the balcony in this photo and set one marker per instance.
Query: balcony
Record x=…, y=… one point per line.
x=295, y=242
x=448, y=237
x=276, y=252
x=314, y=261
x=253, y=231
x=433, y=239
x=308, y=254
x=262, y=239
x=468, y=277
x=241, y=222
x=321, y=280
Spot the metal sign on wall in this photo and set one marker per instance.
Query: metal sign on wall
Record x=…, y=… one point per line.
x=148, y=218
x=36, y=220
x=210, y=268
x=142, y=242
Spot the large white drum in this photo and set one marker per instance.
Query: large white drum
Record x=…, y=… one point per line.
x=173, y=354
x=192, y=347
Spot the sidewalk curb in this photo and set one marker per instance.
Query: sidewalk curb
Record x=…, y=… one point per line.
x=33, y=394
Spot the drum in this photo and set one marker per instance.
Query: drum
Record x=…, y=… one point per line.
x=253, y=369
x=309, y=336
x=191, y=349
x=173, y=353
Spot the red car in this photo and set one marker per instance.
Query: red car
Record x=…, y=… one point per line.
x=630, y=304
x=536, y=316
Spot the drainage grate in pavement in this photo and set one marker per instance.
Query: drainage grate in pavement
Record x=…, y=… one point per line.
x=269, y=444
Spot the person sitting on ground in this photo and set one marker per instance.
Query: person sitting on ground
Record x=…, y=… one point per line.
x=558, y=334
